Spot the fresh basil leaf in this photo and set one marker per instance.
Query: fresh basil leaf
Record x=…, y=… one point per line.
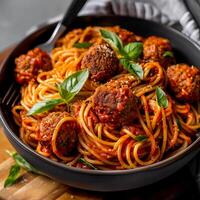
x=66, y=96
x=14, y=174
x=83, y=45
x=73, y=84
x=161, y=98
x=134, y=50
x=82, y=160
x=112, y=39
x=179, y=124
x=141, y=138
x=68, y=89
x=23, y=163
x=168, y=54
x=132, y=67
x=44, y=106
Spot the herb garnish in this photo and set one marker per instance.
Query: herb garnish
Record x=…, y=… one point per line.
x=83, y=45
x=161, y=98
x=22, y=162
x=67, y=90
x=168, y=54
x=132, y=67
x=129, y=53
x=179, y=124
x=72, y=85
x=44, y=106
x=113, y=40
x=15, y=170
x=133, y=50
x=141, y=138
x=82, y=160
x=14, y=174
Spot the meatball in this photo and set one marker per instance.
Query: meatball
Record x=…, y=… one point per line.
x=101, y=61
x=184, y=82
x=114, y=104
x=125, y=35
x=28, y=65
x=154, y=49
x=67, y=135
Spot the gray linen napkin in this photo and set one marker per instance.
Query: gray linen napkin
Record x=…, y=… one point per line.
x=167, y=12
x=163, y=11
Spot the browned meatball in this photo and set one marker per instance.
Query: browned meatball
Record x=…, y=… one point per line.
x=67, y=137
x=114, y=105
x=184, y=82
x=154, y=48
x=28, y=65
x=101, y=61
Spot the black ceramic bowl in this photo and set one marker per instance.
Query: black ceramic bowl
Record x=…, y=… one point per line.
x=95, y=180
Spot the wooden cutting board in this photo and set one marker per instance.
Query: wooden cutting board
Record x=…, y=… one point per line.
x=34, y=187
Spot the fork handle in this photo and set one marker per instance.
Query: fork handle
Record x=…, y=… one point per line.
x=68, y=17
x=72, y=11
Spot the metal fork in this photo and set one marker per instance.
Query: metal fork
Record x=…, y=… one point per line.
x=11, y=97
x=69, y=16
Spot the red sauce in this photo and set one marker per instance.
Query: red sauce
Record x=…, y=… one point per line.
x=28, y=65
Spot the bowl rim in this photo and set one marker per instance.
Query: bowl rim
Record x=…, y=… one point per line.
x=141, y=169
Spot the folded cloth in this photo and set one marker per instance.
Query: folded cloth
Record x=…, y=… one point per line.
x=167, y=12
x=162, y=11
x=131, y=8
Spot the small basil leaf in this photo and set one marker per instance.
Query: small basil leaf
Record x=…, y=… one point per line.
x=112, y=39
x=134, y=50
x=133, y=68
x=66, y=96
x=83, y=45
x=73, y=84
x=168, y=54
x=23, y=163
x=161, y=98
x=141, y=138
x=179, y=124
x=44, y=106
x=82, y=160
x=13, y=175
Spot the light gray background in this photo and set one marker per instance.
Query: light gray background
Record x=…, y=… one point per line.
x=17, y=16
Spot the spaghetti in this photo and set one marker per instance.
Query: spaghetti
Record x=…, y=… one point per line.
x=154, y=134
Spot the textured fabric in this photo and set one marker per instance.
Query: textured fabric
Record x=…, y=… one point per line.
x=132, y=8
x=163, y=11
x=190, y=27
x=166, y=12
